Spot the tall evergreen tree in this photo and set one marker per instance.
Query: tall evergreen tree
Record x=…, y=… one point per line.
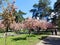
x=19, y=15
x=42, y=8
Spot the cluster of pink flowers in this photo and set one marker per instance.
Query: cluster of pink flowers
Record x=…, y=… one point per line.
x=28, y=24
x=33, y=23
x=2, y=25
x=15, y=26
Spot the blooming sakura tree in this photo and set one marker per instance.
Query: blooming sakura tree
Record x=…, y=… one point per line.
x=15, y=26
x=28, y=24
x=34, y=23
x=9, y=19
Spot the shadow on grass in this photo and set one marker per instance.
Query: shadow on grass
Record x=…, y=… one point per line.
x=23, y=37
x=32, y=35
x=43, y=37
x=19, y=38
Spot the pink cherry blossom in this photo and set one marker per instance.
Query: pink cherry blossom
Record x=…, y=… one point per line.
x=15, y=26
x=2, y=25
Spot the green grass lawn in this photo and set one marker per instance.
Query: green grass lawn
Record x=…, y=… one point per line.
x=22, y=39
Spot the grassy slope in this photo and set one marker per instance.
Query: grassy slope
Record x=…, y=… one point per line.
x=23, y=39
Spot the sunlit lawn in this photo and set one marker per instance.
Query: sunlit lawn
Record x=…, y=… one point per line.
x=22, y=39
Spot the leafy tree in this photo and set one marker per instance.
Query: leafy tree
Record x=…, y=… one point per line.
x=42, y=8
x=19, y=16
x=8, y=18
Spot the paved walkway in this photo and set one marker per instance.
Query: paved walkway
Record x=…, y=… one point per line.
x=50, y=40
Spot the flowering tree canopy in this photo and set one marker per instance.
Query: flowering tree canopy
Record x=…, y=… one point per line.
x=34, y=23
x=28, y=24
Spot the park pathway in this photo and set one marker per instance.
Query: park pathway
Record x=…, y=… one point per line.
x=50, y=40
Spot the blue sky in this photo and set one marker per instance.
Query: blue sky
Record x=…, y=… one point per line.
x=26, y=5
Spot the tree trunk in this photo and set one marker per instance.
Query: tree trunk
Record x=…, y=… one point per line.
x=29, y=31
x=6, y=35
x=55, y=31
x=38, y=30
x=5, y=38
